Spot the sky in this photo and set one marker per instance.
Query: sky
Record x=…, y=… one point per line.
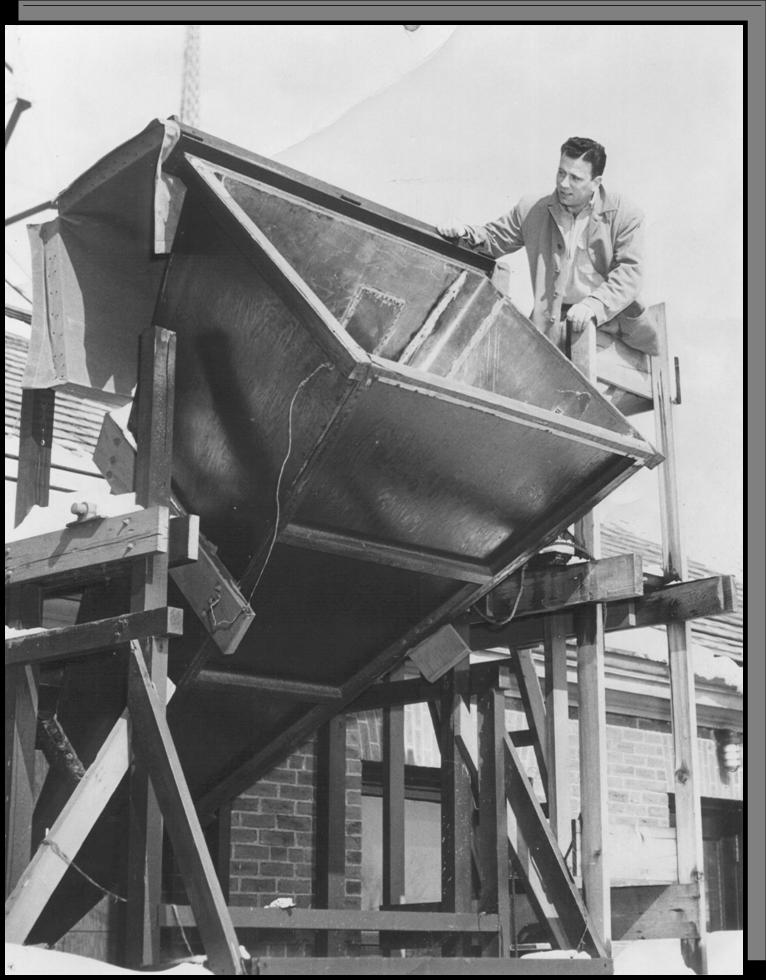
x=456, y=123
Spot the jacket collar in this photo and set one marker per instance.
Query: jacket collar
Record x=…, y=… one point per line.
x=602, y=202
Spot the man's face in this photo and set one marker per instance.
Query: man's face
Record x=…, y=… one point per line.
x=575, y=182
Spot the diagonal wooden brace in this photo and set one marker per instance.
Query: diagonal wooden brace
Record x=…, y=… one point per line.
x=158, y=754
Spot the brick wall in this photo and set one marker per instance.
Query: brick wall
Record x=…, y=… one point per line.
x=273, y=842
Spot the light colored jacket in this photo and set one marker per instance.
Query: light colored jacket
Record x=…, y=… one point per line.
x=615, y=245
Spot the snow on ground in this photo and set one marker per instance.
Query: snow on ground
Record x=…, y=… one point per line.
x=34, y=961
x=662, y=957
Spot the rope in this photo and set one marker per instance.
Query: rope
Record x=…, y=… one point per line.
x=60, y=854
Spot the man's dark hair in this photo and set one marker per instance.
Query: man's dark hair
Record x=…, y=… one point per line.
x=591, y=151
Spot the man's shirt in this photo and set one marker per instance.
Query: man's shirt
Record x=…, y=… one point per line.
x=581, y=277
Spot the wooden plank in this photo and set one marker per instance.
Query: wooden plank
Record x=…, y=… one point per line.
x=655, y=912
x=246, y=917
x=493, y=821
x=556, y=695
x=20, y=735
x=207, y=585
x=35, y=444
x=153, y=408
x=25, y=610
x=591, y=703
x=154, y=743
x=69, y=831
x=398, y=556
x=714, y=596
x=72, y=826
x=281, y=686
x=46, y=557
x=439, y=653
x=115, y=456
x=417, y=690
x=393, y=805
x=683, y=701
x=92, y=637
x=534, y=829
x=431, y=966
x=591, y=688
x=552, y=589
x=623, y=367
x=534, y=706
x=330, y=857
x=457, y=798
x=222, y=844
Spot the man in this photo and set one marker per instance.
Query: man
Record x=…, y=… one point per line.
x=584, y=248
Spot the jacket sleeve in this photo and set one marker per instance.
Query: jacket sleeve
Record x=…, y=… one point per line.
x=498, y=237
x=623, y=282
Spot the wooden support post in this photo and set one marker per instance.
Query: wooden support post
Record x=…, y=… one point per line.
x=393, y=806
x=154, y=424
x=331, y=827
x=493, y=819
x=683, y=701
x=591, y=682
x=25, y=610
x=222, y=845
x=457, y=802
x=557, y=730
x=154, y=744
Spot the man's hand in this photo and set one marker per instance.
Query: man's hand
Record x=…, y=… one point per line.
x=452, y=231
x=579, y=316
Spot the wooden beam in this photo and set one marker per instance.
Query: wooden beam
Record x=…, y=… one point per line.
x=575, y=922
x=69, y=831
x=431, y=966
x=534, y=706
x=394, y=828
x=439, y=652
x=154, y=744
x=207, y=585
x=457, y=797
x=72, y=826
x=591, y=700
x=655, y=912
x=25, y=610
x=556, y=695
x=20, y=736
x=282, y=686
x=44, y=558
x=591, y=713
x=93, y=637
x=398, y=556
x=493, y=821
x=330, y=858
x=496, y=673
x=683, y=601
x=153, y=407
x=549, y=590
x=38, y=407
x=245, y=917
x=683, y=701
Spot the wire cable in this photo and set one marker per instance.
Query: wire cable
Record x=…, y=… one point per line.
x=278, y=515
